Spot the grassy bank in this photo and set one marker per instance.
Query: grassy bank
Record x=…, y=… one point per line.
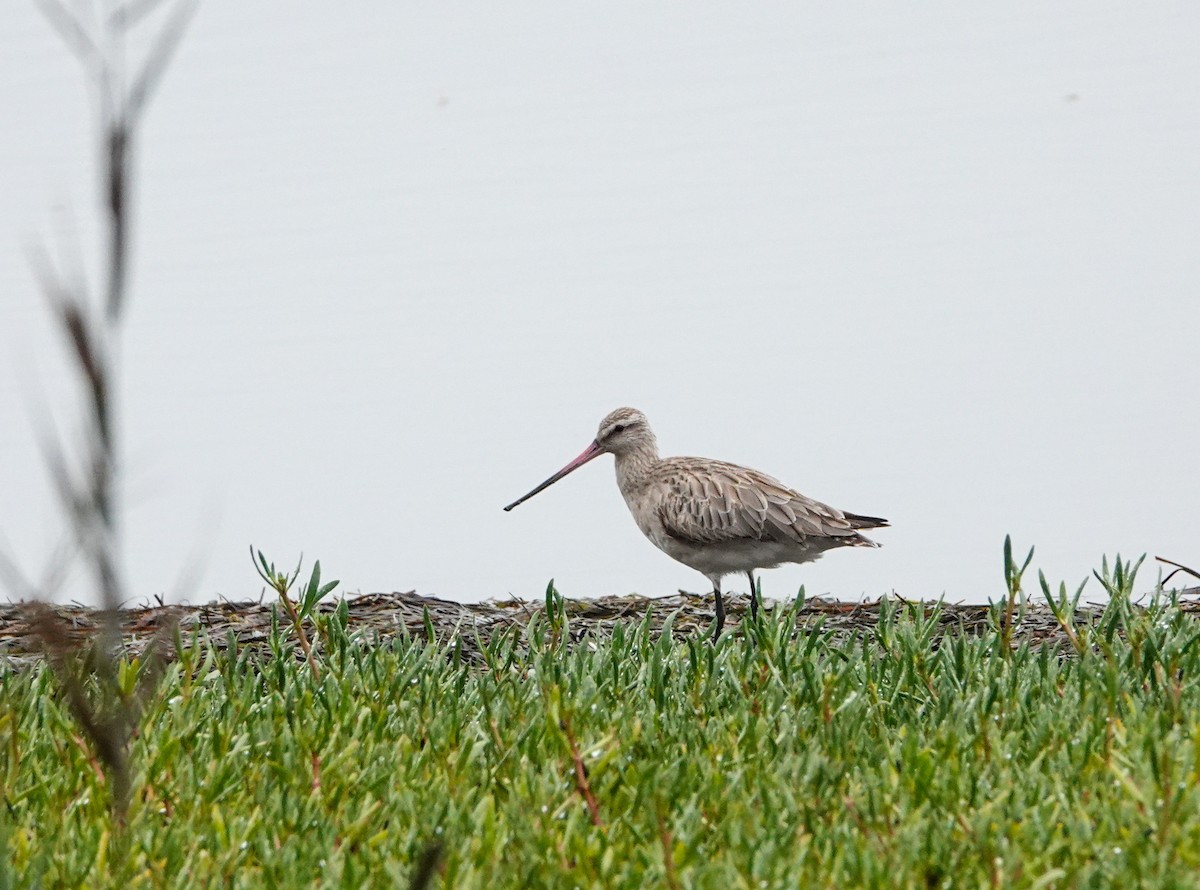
x=775, y=759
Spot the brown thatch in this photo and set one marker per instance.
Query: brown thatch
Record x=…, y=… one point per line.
x=378, y=617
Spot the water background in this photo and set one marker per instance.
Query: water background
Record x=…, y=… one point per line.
x=938, y=264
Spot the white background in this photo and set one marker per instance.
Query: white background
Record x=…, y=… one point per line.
x=934, y=263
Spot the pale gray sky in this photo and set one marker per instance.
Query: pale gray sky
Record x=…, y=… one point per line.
x=933, y=263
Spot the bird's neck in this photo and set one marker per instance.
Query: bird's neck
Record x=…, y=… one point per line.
x=634, y=466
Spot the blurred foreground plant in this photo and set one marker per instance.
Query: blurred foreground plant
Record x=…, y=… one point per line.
x=105, y=693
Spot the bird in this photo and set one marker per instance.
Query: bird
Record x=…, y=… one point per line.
x=715, y=517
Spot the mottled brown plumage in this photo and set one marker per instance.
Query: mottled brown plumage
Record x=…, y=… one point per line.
x=719, y=518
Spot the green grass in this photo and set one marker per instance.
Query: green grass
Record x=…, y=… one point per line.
x=777, y=761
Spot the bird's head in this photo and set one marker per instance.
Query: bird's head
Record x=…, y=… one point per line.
x=623, y=431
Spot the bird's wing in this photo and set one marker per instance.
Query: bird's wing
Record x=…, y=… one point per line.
x=709, y=502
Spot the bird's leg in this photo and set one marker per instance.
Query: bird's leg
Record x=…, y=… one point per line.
x=753, y=597
x=720, y=610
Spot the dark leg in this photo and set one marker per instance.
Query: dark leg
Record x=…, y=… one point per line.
x=720, y=610
x=753, y=597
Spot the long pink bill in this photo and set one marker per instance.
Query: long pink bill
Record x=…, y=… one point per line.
x=592, y=451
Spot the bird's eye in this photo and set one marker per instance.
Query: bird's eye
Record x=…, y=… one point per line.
x=619, y=428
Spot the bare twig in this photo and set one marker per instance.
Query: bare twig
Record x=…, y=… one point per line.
x=74, y=35
x=117, y=140
x=164, y=48
x=129, y=14
x=581, y=775
x=1178, y=568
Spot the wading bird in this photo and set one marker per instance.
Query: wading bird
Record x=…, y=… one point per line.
x=716, y=517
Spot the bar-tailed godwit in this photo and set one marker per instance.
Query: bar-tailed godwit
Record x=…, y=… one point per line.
x=718, y=518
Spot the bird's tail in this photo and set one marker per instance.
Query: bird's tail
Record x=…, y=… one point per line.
x=857, y=521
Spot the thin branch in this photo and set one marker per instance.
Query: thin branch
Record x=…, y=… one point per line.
x=156, y=63
x=128, y=15
x=1178, y=568
x=70, y=310
x=92, y=535
x=117, y=144
x=581, y=776
x=73, y=34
